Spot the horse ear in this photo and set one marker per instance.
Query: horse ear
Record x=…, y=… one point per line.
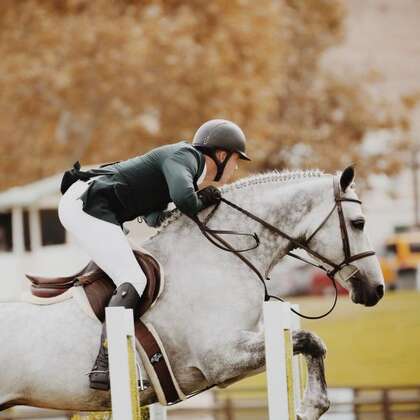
x=346, y=178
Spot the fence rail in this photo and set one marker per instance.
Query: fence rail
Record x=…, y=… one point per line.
x=365, y=403
x=362, y=403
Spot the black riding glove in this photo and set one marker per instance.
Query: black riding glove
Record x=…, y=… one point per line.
x=156, y=218
x=210, y=195
x=166, y=214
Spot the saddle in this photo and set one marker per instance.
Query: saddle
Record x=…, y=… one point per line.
x=98, y=286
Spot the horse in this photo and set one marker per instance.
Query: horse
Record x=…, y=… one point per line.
x=210, y=313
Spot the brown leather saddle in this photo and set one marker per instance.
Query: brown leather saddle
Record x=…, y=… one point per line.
x=98, y=286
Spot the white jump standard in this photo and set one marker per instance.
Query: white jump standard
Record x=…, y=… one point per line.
x=122, y=367
x=279, y=364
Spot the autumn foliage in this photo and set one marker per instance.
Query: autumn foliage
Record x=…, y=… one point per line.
x=104, y=80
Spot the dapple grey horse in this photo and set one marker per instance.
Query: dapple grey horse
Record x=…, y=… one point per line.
x=209, y=315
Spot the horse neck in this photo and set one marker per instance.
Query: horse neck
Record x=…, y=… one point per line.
x=285, y=204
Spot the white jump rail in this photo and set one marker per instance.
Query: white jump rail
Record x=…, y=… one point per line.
x=284, y=381
x=122, y=368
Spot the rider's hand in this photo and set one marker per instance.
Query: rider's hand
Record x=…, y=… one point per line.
x=210, y=195
x=166, y=214
x=156, y=218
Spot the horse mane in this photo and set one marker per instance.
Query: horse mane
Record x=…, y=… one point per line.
x=285, y=176
x=274, y=176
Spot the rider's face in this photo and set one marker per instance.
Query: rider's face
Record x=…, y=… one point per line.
x=230, y=167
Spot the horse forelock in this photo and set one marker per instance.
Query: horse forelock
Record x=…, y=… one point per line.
x=285, y=177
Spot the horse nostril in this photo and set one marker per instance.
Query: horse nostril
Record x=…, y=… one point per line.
x=380, y=291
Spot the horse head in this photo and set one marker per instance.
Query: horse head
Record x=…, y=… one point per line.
x=319, y=212
x=359, y=271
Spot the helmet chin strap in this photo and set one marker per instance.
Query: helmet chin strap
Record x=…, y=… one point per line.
x=220, y=165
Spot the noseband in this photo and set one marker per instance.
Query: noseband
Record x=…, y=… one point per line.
x=213, y=237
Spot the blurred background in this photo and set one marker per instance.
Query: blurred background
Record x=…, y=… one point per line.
x=313, y=84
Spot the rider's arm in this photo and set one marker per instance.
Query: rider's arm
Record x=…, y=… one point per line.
x=179, y=170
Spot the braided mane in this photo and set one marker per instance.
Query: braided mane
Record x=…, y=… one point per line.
x=274, y=176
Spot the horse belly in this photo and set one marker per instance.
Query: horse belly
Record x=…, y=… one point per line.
x=46, y=353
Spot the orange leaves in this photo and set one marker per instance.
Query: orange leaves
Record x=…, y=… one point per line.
x=102, y=81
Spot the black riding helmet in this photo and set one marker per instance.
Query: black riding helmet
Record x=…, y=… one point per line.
x=220, y=134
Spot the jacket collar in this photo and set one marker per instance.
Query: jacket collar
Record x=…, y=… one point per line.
x=201, y=166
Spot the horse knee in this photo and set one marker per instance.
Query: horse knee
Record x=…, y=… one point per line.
x=307, y=343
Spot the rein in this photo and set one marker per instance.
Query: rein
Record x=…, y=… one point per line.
x=214, y=237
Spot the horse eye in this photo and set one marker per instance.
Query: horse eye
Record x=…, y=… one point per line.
x=358, y=223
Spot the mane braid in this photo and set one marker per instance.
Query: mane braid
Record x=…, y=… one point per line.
x=274, y=176
x=260, y=178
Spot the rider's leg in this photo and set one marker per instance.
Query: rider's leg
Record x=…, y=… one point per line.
x=108, y=246
x=103, y=241
x=127, y=296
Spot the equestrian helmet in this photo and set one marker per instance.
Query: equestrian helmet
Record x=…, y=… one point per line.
x=221, y=134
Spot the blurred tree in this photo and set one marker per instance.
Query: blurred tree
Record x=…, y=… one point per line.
x=102, y=81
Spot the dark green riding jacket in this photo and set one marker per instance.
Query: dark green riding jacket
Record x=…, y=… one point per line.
x=146, y=184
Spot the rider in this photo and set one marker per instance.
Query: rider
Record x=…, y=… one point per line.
x=143, y=186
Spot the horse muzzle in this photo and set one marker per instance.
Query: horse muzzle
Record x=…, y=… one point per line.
x=363, y=293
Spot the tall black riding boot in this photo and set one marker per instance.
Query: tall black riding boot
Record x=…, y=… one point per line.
x=124, y=295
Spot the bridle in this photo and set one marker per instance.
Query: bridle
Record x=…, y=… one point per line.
x=214, y=237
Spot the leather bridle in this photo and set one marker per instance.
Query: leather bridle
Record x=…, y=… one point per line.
x=213, y=236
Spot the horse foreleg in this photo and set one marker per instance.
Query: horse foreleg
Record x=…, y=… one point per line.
x=315, y=401
x=247, y=358
x=244, y=356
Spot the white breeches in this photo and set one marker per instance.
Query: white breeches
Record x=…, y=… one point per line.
x=103, y=241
